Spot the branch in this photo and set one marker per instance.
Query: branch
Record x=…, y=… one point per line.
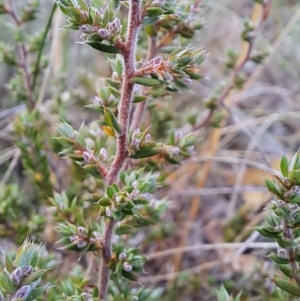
x=139, y=110
x=23, y=58
x=123, y=120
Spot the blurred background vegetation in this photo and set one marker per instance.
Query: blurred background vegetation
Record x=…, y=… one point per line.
x=216, y=197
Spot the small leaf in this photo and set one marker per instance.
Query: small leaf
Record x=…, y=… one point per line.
x=9, y=263
x=284, y=166
x=110, y=191
x=108, y=48
x=287, y=286
x=272, y=187
x=150, y=20
x=111, y=120
x=146, y=81
x=105, y=201
x=264, y=232
x=107, y=15
x=34, y=276
x=286, y=270
x=139, y=98
x=129, y=275
x=154, y=11
x=146, y=153
x=125, y=229
x=73, y=13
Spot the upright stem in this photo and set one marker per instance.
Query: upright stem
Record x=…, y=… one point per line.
x=23, y=59
x=288, y=233
x=134, y=23
x=139, y=110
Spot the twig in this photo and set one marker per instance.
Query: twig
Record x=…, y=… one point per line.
x=123, y=120
x=23, y=58
x=139, y=110
x=208, y=247
x=43, y=42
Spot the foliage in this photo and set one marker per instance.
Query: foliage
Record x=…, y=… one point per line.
x=106, y=190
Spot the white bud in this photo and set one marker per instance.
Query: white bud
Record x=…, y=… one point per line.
x=81, y=244
x=103, y=154
x=16, y=275
x=127, y=267
x=293, y=208
x=108, y=211
x=282, y=253
x=280, y=203
x=122, y=256
x=81, y=230
x=89, y=143
x=147, y=137
x=87, y=156
x=135, y=143
x=23, y=292
x=73, y=238
x=135, y=133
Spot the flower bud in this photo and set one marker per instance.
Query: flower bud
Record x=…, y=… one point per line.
x=147, y=137
x=81, y=244
x=85, y=28
x=135, y=298
x=81, y=230
x=127, y=267
x=293, y=208
x=108, y=211
x=23, y=292
x=16, y=275
x=87, y=156
x=280, y=203
x=114, y=26
x=135, y=143
x=282, y=253
x=103, y=33
x=103, y=154
x=122, y=256
x=27, y=270
x=135, y=133
x=73, y=238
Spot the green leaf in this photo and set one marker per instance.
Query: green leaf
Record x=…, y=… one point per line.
x=9, y=263
x=139, y=98
x=287, y=286
x=266, y=232
x=110, y=191
x=125, y=229
x=272, y=187
x=146, y=153
x=35, y=293
x=150, y=20
x=105, y=201
x=107, y=15
x=286, y=270
x=103, y=47
x=111, y=120
x=83, y=5
x=6, y=282
x=34, y=276
x=146, y=81
x=73, y=13
x=154, y=11
x=129, y=275
x=284, y=166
